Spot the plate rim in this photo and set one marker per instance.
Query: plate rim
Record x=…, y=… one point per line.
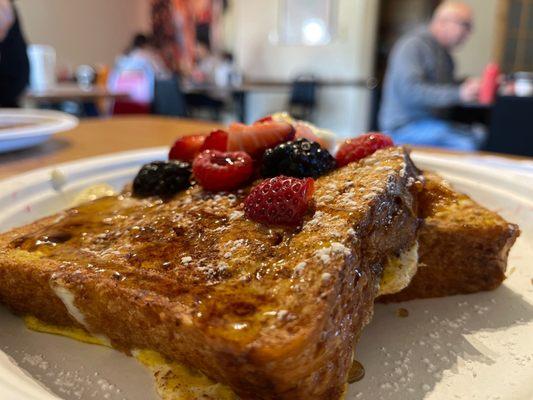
x=57, y=121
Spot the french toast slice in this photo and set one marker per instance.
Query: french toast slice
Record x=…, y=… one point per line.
x=272, y=312
x=463, y=247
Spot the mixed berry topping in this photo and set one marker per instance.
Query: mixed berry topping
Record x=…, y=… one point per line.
x=186, y=148
x=222, y=171
x=279, y=201
x=289, y=153
x=361, y=147
x=162, y=178
x=300, y=158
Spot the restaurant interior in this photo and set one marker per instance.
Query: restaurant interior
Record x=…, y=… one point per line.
x=323, y=61
x=266, y=199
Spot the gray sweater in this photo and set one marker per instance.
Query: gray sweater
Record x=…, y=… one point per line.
x=419, y=81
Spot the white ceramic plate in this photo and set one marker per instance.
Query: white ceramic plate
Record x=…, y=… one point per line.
x=463, y=347
x=22, y=128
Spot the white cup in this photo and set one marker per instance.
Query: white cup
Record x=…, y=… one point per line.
x=42, y=67
x=523, y=85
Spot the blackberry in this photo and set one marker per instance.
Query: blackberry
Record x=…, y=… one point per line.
x=162, y=178
x=300, y=159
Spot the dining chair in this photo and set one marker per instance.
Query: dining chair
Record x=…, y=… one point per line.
x=168, y=98
x=303, y=99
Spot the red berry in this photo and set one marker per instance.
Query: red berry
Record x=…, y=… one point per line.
x=218, y=171
x=186, y=148
x=268, y=118
x=305, y=132
x=217, y=140
x=361, y=147
x=280, y=200
x=255, y=139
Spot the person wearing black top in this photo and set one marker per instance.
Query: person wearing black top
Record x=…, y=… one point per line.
x=14, y=64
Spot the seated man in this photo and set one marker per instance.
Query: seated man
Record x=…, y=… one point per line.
x=419, y=83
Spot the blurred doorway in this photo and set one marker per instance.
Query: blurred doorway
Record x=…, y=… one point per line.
x=397, y=17
x=514, y=47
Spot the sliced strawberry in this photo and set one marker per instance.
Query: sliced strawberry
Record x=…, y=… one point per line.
x=268, y=118
x=186, y=148
x=217, y=140
x=255, y=139
x=236, y=126
x=304, y=131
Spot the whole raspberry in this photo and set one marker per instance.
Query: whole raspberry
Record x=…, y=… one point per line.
x=361, y=147
x=220, y=171
x=279, y=201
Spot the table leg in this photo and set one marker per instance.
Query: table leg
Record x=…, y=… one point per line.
x=239, y=97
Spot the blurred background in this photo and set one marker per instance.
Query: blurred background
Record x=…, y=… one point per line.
x=325, y=61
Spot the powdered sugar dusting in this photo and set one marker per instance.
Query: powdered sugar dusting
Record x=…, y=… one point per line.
x=236, y=215
x=75, y=384
x=300, y=267
x=335, y=248
x=322, y=220
x=232, y=247
x=325, y=199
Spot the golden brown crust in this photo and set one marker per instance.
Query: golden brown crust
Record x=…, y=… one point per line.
x=463, y=247
x=272, y=312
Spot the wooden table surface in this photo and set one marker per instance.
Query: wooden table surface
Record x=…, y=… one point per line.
x=95, y=137
x=72, y=92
